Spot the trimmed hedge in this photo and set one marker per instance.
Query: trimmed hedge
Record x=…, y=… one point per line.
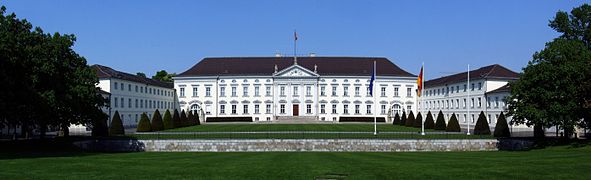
x=502, y=128
x=396, y=119
x=157, y=124
x=481, y=127
x=429, y=123
x=403, y=119
x=418, y=121
x=184, y=120
x=167, y=120
x=116, y=127
x=440, y=124
x=410, y=120
x=453, y=125
x=144, y=124
x=176, y=119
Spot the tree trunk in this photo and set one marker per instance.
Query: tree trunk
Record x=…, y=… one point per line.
x=65, y=130
x=538, y=131
x=42, y=131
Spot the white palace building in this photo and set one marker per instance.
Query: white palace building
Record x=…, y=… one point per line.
x=287, y=88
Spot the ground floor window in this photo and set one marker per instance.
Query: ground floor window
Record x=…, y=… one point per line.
x=368, y=109
x=334, y=108
x=222, y=109
x=309, y=108
x=383, y=109
x=282, y=109
x=268, y=109
x=256, y=108
x=233, y=109
x=322, y=107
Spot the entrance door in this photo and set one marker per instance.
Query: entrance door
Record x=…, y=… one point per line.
x=296, y=110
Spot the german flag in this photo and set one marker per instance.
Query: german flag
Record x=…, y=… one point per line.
x=420, y=83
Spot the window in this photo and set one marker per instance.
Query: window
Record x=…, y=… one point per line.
x=368, y=109
x=282, y=91
x=233, y=109
x=208, y=109
x=295, y=91
x=245, y=109
x=135, y=88
x=457, y=103
x=309, y=108
x=487, y=102
x=397, y=109
x=383, y=92
x=268, y=109
x=334, y=91
x=322, y=91
x=116, y=85
x=345, y=91
x=129, y=103
x=308, y=91
x=136, y=105
x=208, y=91
x=496, y=102
x=409, y=92
x=322, y=109
x=465, y=87
x=122, y=86
x=356, y=108
x=116, y=102
x=472, y=87
x=489, y=118
x=244, y=91
x=465, y=103
x=268, y=91
x=141, y=89
x=129, y=87
x=345, y=109
x=479, y=86
x=357, y=91
x=472, y=120
x=150, y=91
x=457, y=89
x=383, y=109
x=452, y=89
x=233, y=91
x=122, y=102
x=334, y=108
x=141, y=103
x=182, y=92
x=194, y=92
x=222, y=91
x=408, y=109
x=465, y=118
x=395, y=92
x=472, y=103
x=256, y=108
x=256, y=91
x=282, y=109
x=222, y=109
x=479, y=102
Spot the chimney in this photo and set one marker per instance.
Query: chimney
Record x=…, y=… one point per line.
x=312, y=54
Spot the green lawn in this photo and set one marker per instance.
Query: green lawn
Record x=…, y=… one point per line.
x=295, y=127
x=552, y=163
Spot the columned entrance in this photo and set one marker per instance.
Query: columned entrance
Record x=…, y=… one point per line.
x=296, y=110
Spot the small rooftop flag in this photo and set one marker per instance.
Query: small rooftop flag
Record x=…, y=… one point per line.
x=420, y=82
x=373, y=78
x=295, y=35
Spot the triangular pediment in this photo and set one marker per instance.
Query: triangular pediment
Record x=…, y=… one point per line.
x=295, y=71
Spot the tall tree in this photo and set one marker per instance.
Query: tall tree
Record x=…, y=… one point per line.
x=162, y=75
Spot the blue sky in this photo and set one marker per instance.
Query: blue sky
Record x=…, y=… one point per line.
x=146, y=36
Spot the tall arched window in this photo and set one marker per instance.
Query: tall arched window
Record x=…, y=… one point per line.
x=396, y=109
x=195, y=109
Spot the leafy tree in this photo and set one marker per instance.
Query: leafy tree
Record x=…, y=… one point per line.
x=502, y=128
x=403, y=119
x=555, y=87
x=141, y=74
x=176, y=119
x=184, y=119
x=453, y=125
x=418, y=123
x=157, y=124
x=429, y=123
x=116, y=127
x=396, y=119
x=440, y=124
x=410, y=120
x=144, y=124
x=167, y=120
x=482, y=127
x=163, y=76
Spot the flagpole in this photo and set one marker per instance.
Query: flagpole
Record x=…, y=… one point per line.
x=468, y=100
x=295, y=45
x=375, y=124
x=421, y=97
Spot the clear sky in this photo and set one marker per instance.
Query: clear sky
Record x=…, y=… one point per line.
x=146, y=36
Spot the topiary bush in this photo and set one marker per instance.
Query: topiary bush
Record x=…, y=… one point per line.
x=184, y=120
x=396, y=119
x=157, y=124
x=429, y=123
x=190, y=118
x=144, y=124
x=403, y=119
x=440, y=124
x=502, y=128
x=453, y=125
x=116, y=127
x=196, y=119
x=481, y=127
x=410, y=120
x=418, y=123
x=176, y=119
x=167, y=120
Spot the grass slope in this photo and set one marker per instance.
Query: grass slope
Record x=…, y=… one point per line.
x=551, y=163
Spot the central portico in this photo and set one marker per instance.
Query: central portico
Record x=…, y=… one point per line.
x=271, y=88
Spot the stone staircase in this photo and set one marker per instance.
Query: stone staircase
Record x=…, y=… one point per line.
x=298, y=120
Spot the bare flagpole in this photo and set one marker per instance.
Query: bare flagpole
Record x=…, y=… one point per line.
x=421, y=97
x=375, y=124
x=468, y=100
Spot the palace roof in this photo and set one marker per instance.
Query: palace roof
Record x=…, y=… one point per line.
x=107, y=72
x=494, y=71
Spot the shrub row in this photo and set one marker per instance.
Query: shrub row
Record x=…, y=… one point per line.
x=169, y=121
x=481, y=127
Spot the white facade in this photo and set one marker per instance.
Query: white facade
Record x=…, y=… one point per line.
x=295, y=91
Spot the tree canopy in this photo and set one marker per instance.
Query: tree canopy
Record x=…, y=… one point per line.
x=162, y=75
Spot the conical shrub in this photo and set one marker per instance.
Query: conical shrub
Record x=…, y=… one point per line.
x=157, y=124
x=184, y=120
x=429, y=123
x=481, y=127
x=144, y=124
x=196, y=119
x=502, y=128
x=410, y=120
x=190, y=118
x=440, y=124
x=176, y=119
x=167, y=120
x=403, y=119
x=396, y=119
x=116, y=127
x=418, y=121
x=453, y=125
